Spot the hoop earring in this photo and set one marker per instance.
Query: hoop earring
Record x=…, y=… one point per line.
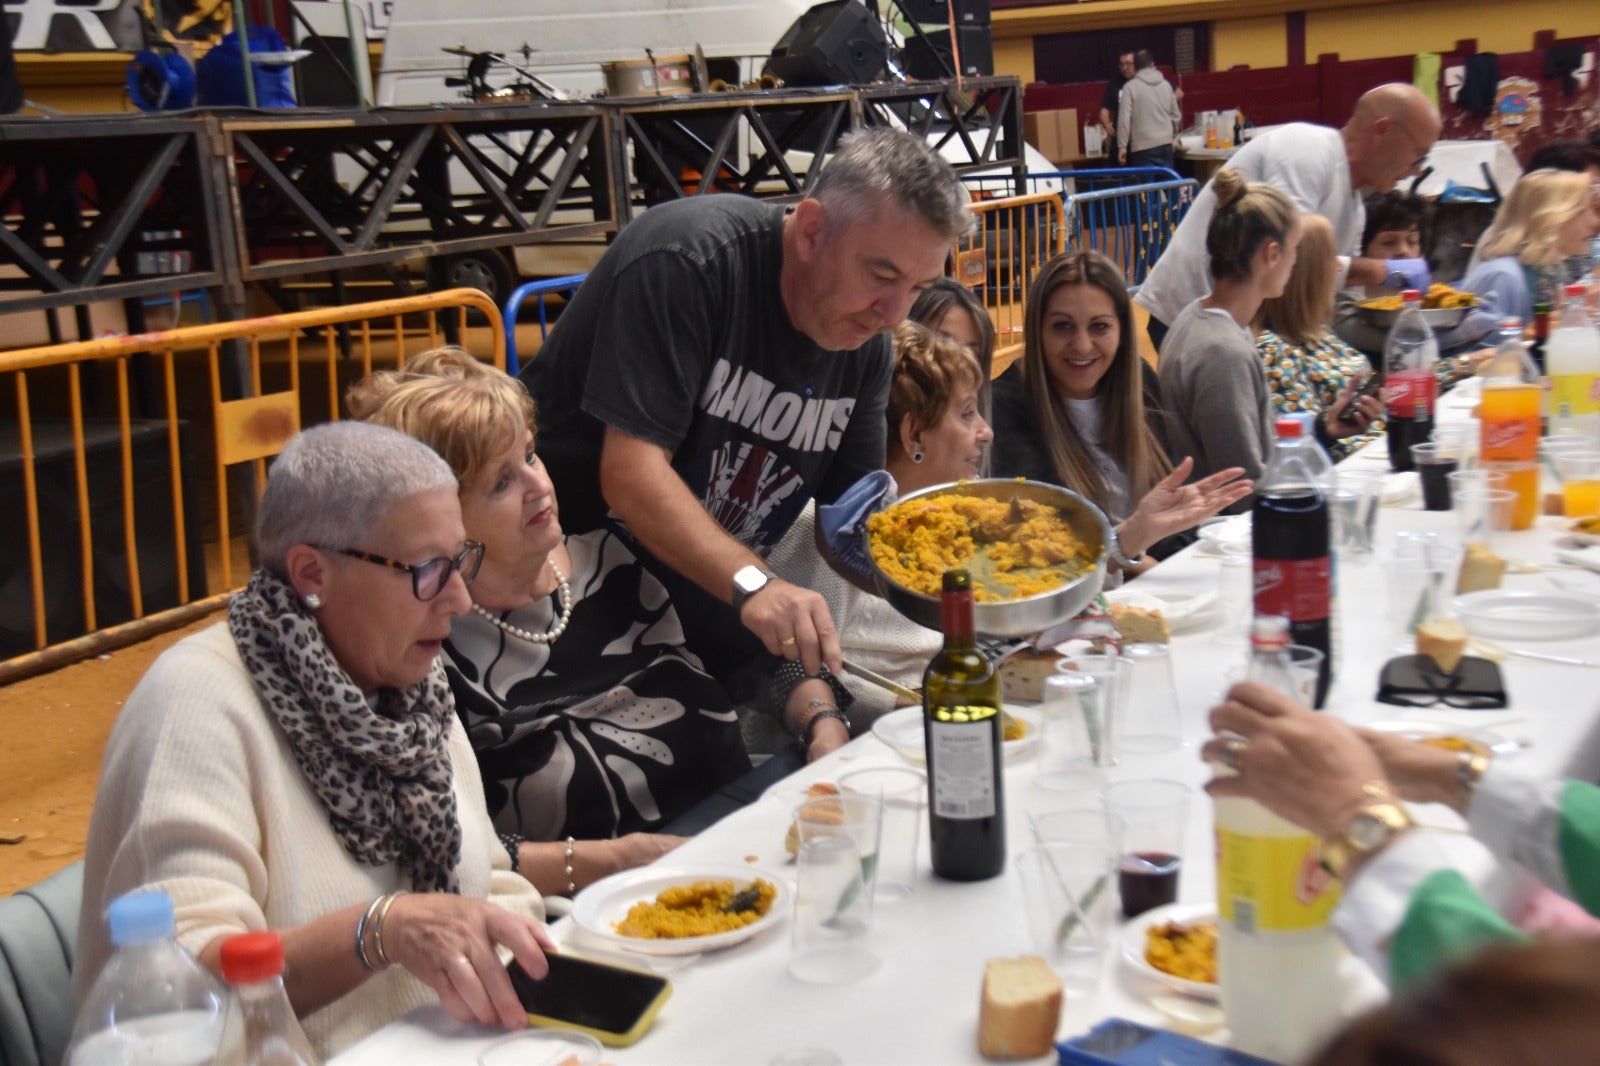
x=916, y=457
x=313, y=601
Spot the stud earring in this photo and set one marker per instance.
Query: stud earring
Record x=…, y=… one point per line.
x=313, y=601
x=916, y=457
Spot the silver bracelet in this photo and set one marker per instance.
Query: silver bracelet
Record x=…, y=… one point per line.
x=361, y=936
x=377, y=927
x=572, y=884
x=1114, y=550
x=828, y=711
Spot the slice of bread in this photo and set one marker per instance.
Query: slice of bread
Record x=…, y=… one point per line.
x=832, y=813
x=1444, y=640
x=1480, y=569
x=1141, y=625
x=1020, y=1010
x=1022, y=675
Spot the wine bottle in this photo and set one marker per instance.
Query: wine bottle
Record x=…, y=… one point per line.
x=961, y=713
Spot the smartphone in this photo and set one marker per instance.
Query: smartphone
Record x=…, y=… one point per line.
x=613, y=1004
x=1119, y=1042
x=1369, y=387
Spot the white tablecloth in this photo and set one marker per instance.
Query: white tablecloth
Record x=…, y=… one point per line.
x=921, y=1006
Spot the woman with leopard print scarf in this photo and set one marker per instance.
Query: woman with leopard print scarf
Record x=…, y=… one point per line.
x=300, y=768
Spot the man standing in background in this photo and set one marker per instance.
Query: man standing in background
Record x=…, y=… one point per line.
x=1147, y=117
x=1109, y=101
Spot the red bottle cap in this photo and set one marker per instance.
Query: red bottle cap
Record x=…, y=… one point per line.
x=1577, y=288
x=1412, y=296
x=1288, y=428
x=251, y=957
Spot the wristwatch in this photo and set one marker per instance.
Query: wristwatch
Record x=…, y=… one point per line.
x=1373, y=826
x=1114, y=550
x=747, y=581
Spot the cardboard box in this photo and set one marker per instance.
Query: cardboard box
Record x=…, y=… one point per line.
x=1054, y=133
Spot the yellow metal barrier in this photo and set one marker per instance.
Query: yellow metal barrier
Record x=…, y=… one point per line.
x=1013, y=238
x=236, y=391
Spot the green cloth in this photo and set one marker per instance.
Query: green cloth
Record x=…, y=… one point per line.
x=1425, y=75
x=1445, y=920
x=1580, y=842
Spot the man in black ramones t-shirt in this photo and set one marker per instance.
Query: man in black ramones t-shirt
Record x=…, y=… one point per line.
x=726, y=361
x=1109, y=101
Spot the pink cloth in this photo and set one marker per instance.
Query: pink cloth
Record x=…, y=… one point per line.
x=1545, y=912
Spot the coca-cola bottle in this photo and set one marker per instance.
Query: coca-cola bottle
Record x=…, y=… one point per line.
x=1292, y=553
x=1410, y=387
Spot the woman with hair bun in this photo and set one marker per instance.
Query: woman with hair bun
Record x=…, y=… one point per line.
x=1219, y=408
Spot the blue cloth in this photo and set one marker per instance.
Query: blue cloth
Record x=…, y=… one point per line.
x=219, y=76
x=844, y=521
x=1411, y=273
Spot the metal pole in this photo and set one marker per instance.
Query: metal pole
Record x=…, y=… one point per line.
x=241, y=30
x=363, y=90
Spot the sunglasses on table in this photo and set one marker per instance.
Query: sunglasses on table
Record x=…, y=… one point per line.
x=429, y=577
x=1414, y=681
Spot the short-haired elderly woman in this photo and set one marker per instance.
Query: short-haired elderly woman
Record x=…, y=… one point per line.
x=593, y=724
x=299, y=767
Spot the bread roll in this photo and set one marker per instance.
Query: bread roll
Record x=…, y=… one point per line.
x=1444, y=640
x=835, y=815
x=1022, y=675
x=1020, y=1010
x=1480, y=569
x=1141, y=625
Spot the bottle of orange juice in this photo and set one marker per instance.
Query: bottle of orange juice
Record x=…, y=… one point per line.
x=1509, y=421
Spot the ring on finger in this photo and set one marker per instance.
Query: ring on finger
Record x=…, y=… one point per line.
x=787, y=642
x=1233, y=749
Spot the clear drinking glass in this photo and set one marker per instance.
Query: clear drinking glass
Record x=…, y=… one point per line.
x=1078, y=736
x=834, y=884
x=1149, y=721
x=1067, y=891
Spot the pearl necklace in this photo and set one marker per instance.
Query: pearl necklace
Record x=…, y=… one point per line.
x=563, y=593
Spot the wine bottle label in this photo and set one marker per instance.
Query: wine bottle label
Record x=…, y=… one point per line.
x=961, y=763
x=1272, y=884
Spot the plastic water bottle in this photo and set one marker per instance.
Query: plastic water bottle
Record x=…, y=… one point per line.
x=261, y=1029
x=153, y=1004
x=1277, y=956
x=1292, y=548
x=1572, y=359
x=1409, y=356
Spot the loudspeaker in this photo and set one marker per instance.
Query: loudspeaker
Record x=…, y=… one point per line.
x=923, y=54
x=837, y=43
x=937, y=12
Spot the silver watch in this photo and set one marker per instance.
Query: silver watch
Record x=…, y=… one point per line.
x=747, y=581
x=1114, y=550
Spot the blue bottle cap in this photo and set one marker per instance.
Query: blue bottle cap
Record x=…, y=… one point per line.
x=140, y=917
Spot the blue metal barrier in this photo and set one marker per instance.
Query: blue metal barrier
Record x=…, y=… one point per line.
x=1069, y=182
x=544, y=287
x=1130, y=224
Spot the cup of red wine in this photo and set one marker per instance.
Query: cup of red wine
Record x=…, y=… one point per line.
x=1155, y=819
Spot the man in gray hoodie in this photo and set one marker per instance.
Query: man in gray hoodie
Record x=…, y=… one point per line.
x=1147, y=116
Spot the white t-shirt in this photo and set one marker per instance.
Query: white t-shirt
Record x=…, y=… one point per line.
x=1088, y=418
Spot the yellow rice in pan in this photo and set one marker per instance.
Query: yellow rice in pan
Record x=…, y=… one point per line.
x=1028, y=545
x=692, y=910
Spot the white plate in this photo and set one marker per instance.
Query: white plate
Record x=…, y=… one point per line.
x=1133, y=937
x=1233, y=531
x=902, y=731
x=1429, y=730
x=1572, y=531
x=600, y=906
x=1526, y=615
x=1182, y=608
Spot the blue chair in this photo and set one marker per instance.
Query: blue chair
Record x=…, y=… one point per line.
x=38, y=940
x=540, y=289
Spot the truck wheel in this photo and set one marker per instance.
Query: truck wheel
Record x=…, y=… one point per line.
x=487, y=271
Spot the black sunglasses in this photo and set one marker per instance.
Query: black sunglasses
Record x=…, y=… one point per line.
x=428, y=578
x=1414, y=681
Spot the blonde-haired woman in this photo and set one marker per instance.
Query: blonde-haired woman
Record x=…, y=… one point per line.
x=1219, y=411
x=1309, y=369
x=593, y=725
x=1549, y=216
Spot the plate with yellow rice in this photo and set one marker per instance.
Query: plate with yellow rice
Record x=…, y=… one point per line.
x=680, y=909
x=1175, y=945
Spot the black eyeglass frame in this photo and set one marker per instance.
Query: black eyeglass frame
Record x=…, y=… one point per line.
x=1414, y=681
x=466, y=562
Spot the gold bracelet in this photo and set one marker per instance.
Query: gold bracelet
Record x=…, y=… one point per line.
x=377, y=927
x=1470, y=767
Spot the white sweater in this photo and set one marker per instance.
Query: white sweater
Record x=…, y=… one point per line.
x=201, y=797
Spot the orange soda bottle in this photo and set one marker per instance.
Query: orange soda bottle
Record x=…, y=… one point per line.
x=1509, y=422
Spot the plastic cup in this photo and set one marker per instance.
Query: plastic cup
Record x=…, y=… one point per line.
x=1067, y=891
x=834, y=885
x=1155, y=819
x=1149, y=720
x=1305, y=664
x=1356, y=495
x=1434, y=462
x=1418, y=581
x=1114, y=673
x=904, y=792
x=1475, y=480
x=1078, y=736
x=1235, y=594
x=1485, y=515
x=1079, y=825
x=1580, y=482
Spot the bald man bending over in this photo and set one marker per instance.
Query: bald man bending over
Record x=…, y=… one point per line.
x=1327, y=172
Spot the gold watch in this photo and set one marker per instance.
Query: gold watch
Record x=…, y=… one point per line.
x=1373, y=826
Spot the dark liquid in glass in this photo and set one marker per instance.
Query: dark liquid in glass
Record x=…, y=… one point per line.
x=1147, y=879
x=1436, y=484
